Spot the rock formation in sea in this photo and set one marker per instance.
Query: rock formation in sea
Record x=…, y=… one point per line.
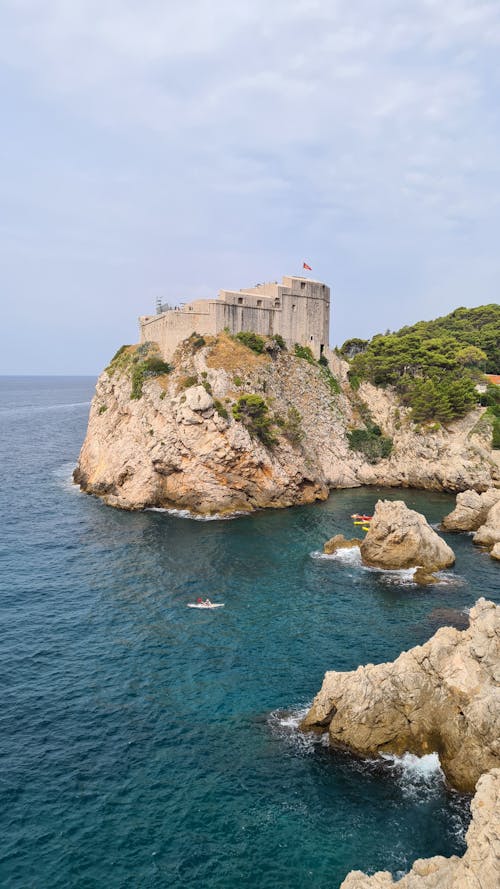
x=488, y=534
x=478, y=868
x=471, y=510
x=479, y=513
x=340, y=542
x=227, y=429
x=443, y=697
x=400, y=537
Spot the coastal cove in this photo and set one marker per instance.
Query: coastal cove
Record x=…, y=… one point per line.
x=145, y=744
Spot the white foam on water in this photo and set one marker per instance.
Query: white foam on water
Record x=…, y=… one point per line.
x=284, y=725
x=399, y=576
x=64, y=476
x=418, y=776
x=25, y=410
x=186, y=514
x=349, y=556
x=403, y=576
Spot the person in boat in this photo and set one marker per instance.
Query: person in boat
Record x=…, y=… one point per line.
x=199, y=601
x=207, y=602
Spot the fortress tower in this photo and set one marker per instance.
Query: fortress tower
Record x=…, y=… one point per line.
x=298, y=309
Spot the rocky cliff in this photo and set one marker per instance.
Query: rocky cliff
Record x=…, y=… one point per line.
x=441, y=697
x=479, y=513
x=183, y=438
x=479, y=867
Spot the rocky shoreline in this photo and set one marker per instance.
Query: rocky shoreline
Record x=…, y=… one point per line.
x=480, y=515
x=441, y=697
x=478, y=868
x=178, y=439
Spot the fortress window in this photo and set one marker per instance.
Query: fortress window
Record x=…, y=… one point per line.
x=312, y=339
x=302, y=285
x=259, y=302
x=240, y=300
x=277, y=304
x=294, y=307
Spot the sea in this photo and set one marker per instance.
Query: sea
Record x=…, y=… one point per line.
x=147, y=744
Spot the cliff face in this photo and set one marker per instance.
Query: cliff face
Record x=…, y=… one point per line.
x=439, y=697
x=179, y=445
x=479, y=868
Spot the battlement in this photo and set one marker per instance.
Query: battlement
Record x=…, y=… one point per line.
x=298, y=309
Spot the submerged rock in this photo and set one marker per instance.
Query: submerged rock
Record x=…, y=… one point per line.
x=340, y=542
x=471, y=510
x=401, y=538
x=439, y=697
x=479, y=867
x=425, y=577
x=448, y=617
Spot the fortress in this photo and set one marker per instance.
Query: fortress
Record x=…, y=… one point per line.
x=298, y=309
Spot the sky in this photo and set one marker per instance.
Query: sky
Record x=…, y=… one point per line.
x=165, y=149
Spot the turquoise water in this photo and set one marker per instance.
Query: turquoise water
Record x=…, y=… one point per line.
x=145, y=744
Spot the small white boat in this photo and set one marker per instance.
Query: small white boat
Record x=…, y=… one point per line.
x=204, y=605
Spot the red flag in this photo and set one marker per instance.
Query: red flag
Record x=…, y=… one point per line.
x=305, y=266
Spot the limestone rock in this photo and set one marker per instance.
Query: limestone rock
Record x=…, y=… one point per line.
x=175, y=447
x=479, y=867
x=401, y=538
x=424, y=577
x=495, y=552
x=198, y=399
x=339, y=542
x=471, y=510
x=441, y=697
x=489, y=533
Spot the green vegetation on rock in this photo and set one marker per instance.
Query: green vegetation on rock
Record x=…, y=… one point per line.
x=370, y=442
x=221, y=410
x=491, y=400
x=196, y=341
x=330, y=380
x=253, y=412
x=292, y=426
x=433, y=365
x=252, y=340
x=304, y=352
x=140, y=362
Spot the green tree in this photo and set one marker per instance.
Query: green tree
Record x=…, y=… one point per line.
x=253, y=412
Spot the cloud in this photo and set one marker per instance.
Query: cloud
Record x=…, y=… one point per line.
x=262, y=125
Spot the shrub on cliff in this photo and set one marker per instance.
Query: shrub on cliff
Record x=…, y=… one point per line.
x=154, y=366
x=196, y=341
x=280, y=341
x=370, y=442
x=221, y=410
x=304, y=352
x=330, y=380
x=253, y=412
x=292, y=426
x=252, y=340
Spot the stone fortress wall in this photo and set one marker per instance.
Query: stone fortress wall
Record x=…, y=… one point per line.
x=298, y=309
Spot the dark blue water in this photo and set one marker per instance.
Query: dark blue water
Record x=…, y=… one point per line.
x=142, y=743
